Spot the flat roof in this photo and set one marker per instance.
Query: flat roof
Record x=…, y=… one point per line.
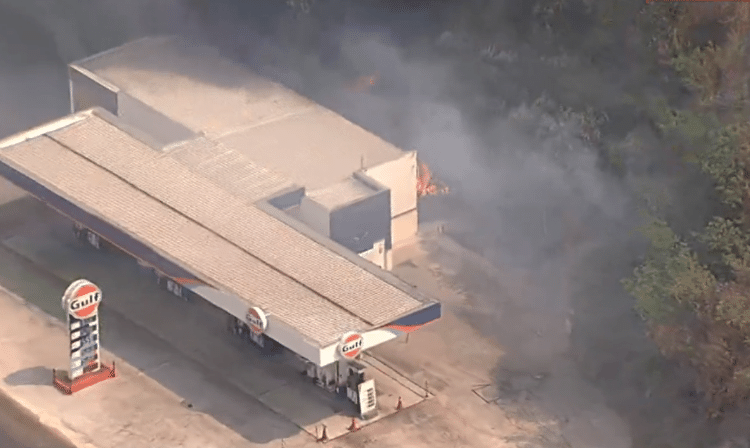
x=196, y=86
x=342, y=193
x=320, y=290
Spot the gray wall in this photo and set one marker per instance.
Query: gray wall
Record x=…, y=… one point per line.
x=86, y=93
x=156, y=125
x=315, y=215
x=288, y=199
x=359, y=225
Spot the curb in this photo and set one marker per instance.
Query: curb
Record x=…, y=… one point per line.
x=49, y=320
x=53, y=423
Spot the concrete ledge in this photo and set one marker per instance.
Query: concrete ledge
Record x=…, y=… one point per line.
x=297, y=408
x=116, y=413
x=75, y=437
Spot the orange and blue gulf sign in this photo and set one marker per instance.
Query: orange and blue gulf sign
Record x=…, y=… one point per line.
x=351, y=345
x=82, y=298
x=81, y=302
x=257, y=320
x=415, y=321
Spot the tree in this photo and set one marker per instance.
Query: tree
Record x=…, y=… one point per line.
x=694, y=292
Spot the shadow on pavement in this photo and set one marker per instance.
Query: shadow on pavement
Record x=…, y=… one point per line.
x=33, y=376
x=16, y=213
x=19, y=428
x=169, y=361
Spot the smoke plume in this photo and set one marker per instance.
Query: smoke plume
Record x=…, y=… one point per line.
x=528, y=188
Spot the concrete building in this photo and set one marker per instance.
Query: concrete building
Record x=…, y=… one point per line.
x=236, y=190
x=220, y=118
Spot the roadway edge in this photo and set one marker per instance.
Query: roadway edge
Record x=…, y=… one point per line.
x=50, y=421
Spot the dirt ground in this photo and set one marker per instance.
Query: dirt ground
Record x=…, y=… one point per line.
x=562, y=348
x=498, y=364
x=182, y=345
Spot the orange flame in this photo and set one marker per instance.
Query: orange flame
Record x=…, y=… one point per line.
x=364, y=83
x=426, y=185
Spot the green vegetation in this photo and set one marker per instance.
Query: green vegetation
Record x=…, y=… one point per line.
x=693, y=291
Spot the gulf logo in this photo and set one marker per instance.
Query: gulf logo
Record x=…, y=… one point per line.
x=85, y=300
x=351, y=345
x=256, y=319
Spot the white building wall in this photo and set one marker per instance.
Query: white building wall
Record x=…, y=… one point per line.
x=388, y=260
x=291, y=338
x=400, y=176
x=378, y=255
x=370, y=338
x=330, y=354
x=156, y=125
x=87, y=91
x=316, y=216
x=404, y=227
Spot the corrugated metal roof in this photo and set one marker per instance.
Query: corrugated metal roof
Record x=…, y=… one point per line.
x=196, y=222
x=229, y=169
x=180, y=238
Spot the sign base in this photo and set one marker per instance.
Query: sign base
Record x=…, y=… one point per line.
x=64, y=384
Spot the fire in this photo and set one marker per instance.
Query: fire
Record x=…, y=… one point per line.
x=364, y=83
x=426, y=185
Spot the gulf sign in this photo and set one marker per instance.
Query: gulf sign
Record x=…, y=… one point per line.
x=351, y=345
x=81, y=303
x=82, y=298
x=256, y=320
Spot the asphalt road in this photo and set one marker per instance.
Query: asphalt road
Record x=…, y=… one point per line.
x=27, y=63
x=20, y=429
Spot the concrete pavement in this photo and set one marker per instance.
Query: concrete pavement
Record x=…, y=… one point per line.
x=132, y=410
x=178, y=348
x=21, y=429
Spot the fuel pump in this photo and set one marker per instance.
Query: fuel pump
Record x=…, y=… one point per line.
x=359, y=389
